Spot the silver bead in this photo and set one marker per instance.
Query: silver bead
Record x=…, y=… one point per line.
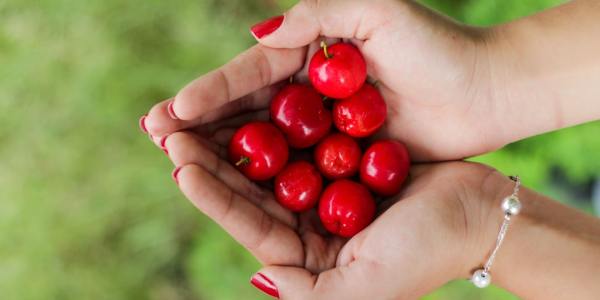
x=511, y=205
x=481, y=278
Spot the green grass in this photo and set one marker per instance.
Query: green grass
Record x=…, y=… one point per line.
x=88, y=210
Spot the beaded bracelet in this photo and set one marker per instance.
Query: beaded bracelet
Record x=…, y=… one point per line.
x=511, y=207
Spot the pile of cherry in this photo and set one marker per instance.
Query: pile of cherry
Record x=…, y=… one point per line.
x=301, y=120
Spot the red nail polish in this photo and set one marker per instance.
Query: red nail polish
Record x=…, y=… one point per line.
x=266, y=27
x=142, y=123
x=163, y=142
x=175, y=173
x=171, y=111
x=263, y=283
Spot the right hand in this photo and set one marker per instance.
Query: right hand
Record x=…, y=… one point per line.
x=435, y=75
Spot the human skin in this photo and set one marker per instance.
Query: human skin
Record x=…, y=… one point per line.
x=452, y=91
x=440, y=227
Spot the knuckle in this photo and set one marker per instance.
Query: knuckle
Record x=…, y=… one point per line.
x=264, y=67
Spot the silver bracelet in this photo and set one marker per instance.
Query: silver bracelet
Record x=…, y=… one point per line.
x=511, y=207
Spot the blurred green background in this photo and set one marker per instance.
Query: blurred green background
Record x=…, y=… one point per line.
x=88, y=209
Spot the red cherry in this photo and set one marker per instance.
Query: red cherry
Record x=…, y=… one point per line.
x=346, y=207
x=337, y=71
x=384, y=167
x=361, y=114
x=337, y=156
x=258, y=150
x=298, y=186
x=299, y=112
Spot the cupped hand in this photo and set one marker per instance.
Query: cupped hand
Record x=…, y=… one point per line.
x=424, y=237
x=435, y=75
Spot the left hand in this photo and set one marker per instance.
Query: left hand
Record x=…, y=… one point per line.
x=428, y=236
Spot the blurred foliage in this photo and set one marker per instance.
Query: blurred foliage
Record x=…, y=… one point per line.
x=88, y=209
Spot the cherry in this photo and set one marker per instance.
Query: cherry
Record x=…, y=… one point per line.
x=337, y=156
x=361, y=114
x=298, y=186
x=346, y=207
x=384, y=167
x=337, y=71
x=299, y=112
x=258, y=150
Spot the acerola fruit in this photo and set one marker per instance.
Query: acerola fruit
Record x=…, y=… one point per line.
x=258, y=150
x=361, y=114
x=346, y=207
x=338, y=156
x=337, y=71
x=384, y=167
x=299, y=112
x=298, y=186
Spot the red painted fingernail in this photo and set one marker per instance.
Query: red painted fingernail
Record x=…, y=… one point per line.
x=175, y=173
x=171, y=111
x=266, y=27
x=264, y=284
x=142, y=123
x=163, y=143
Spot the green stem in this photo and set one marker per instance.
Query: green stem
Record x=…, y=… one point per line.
x=324, y=46
x=243, y=161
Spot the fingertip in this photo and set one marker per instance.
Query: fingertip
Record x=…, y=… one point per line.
x=142, y=123
x=159, y=122
x=175, y=174
x=266, y=27
x=266, y=285
x=171, y=110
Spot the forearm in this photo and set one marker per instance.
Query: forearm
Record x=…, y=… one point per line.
x=551, y=251
x=546, y=68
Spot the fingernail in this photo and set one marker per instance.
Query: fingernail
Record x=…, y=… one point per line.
x=175, y=173
x=142, y=123
x=263, y=283
x=171, y=111
x=163, y=144
x=266, y=27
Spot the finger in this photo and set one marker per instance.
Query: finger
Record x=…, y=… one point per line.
x=270, y=241
x=220, y=150
x=159, y=123
x=233, y=122
x=309, y=19
x=209, y=130
x=187, y=148
x=347, y=282
x=252, y=70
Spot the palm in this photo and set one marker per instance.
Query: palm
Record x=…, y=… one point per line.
x=431, y=91
x=276, y=236
x=300, y=239
x=248, y=211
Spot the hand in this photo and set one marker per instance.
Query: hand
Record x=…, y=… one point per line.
x=434, y=75
x=427, y=237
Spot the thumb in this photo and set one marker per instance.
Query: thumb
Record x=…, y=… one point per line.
x=346, y=282
x=309, y=19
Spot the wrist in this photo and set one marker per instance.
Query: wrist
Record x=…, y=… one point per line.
x=485, y=220
x=549, y=251
x=543, y=69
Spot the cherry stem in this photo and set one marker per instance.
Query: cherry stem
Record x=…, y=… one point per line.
x=324, y=46
x=292, y=79
x=243, y=160
x=324, y=98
